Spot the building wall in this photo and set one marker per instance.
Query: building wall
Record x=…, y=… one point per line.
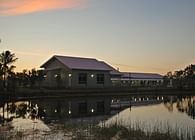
x=64, y=78
x=57, y=78
x=91, y=81
x=137, y=82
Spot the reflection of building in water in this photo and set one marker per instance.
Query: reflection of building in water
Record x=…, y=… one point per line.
x=187, y=105
x=55, y=108
x=65, y=108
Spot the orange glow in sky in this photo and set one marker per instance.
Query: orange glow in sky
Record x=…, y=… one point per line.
x=16, y=7
x=153, y=36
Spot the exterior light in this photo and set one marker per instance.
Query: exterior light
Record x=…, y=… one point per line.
x=140, y=99
x=55, y=110
x=147, y=99
x=55, y=75
x=69, y=112
x=162, y=98
x=45, y=76
x=92, y=75
x=135, y=99
x=157, y=98
x=44, y=110
x=69, y=75
x=92, y=110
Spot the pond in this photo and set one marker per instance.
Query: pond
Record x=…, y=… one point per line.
x=145, y=112
x=176, y=113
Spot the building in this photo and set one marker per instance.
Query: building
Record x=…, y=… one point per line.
x=73, y=107
x=76, y=72
x=139, y=79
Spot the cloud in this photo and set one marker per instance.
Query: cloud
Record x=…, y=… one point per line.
x=17, y=7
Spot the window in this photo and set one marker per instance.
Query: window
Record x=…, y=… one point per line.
x=100, y=78
x=83, y=108
x=100, y=107
x=82, y=78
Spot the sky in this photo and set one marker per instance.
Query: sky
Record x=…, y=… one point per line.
x=132, y=35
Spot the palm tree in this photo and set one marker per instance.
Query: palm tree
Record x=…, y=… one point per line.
x=7, y=59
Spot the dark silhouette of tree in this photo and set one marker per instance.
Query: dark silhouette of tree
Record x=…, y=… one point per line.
x=40, y=77
x=33, y=76
x=7, y=59
x=1, y=74
x=30, y=78
x=183, y=78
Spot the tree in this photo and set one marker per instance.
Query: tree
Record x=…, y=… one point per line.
x=33, y=77
x=1, y=74
x=6, y=60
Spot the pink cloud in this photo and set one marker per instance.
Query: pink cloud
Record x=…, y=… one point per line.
x=16, y=7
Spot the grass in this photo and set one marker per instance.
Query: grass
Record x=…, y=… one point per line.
x=136, y=132
x=114, y=131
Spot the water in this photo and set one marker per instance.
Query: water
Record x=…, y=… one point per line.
x=162, y=113
x=173, y=114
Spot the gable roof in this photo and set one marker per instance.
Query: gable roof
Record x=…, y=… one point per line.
x=135, y=75
x=79, y=63
x=113, y=70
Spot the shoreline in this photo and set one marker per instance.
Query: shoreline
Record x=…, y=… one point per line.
x=24, y=93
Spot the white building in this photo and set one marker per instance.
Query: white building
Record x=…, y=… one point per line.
x=139, y=79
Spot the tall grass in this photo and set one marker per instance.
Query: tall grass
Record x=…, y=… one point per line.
x=140, y=130
x=134, y=131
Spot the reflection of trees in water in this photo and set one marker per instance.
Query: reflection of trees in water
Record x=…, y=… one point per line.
x=169, y=106
x=187, y=105
x=183, y=104
x=168, y=102
x=22, y=109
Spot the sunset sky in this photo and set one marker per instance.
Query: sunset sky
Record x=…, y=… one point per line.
x=133, y=35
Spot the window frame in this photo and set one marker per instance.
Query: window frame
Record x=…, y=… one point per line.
x=82, y=78
x=100, y=78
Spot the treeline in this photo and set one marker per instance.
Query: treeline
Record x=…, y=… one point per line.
x=182, y=78
x=9, y=79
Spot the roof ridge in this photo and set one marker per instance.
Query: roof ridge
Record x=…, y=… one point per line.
x=75, y=57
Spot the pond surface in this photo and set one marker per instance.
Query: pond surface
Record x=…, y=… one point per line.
x=148, y=112
x=174, y=113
